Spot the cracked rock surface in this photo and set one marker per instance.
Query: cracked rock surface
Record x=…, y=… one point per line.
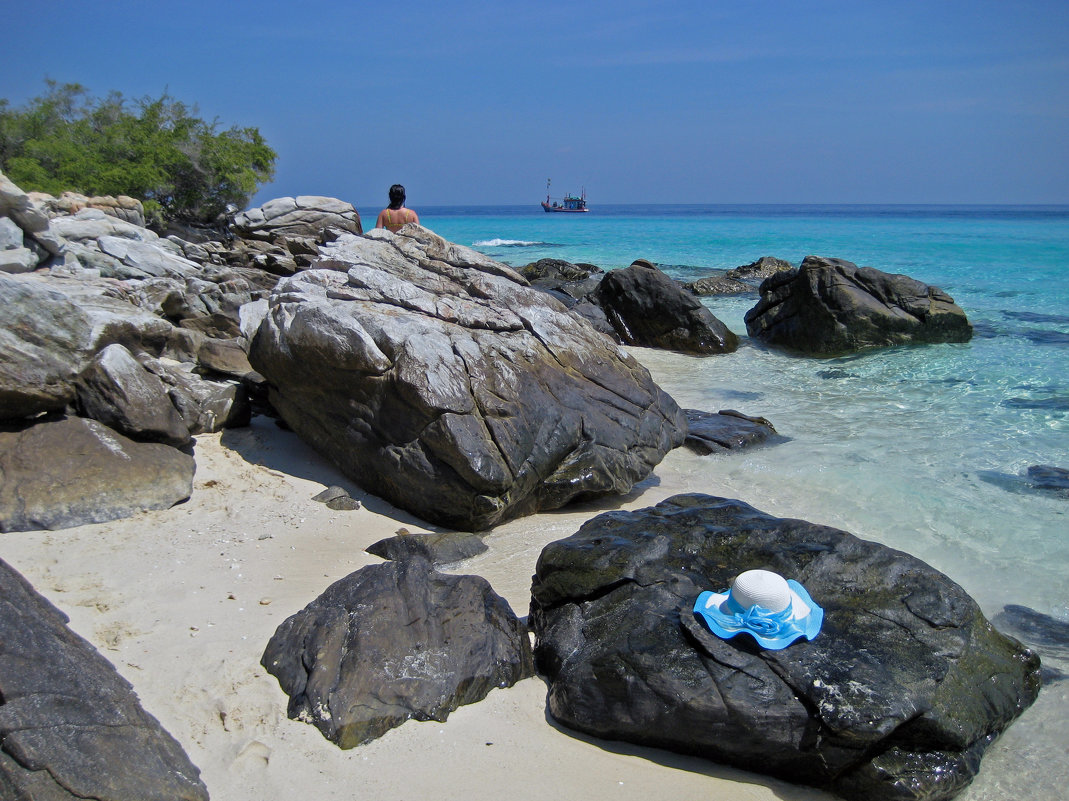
x=441, y=381
x=898, y=696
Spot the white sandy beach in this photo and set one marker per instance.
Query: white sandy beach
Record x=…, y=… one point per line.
x=183, y=601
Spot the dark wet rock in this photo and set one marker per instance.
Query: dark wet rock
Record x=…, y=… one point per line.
x=571, y=282
x=649, y=309
x=830, y=306
x=740, y=279
x=1049, y=477
x=226, y=357
x=439, y=380
x=395, y=642
x=44, y=340
x=898, y=696
x=119, y=392
x=715, y=432
x=439, y=548
x=719, y=285
x=73, y=471
x=759, y=270
x=70, y=726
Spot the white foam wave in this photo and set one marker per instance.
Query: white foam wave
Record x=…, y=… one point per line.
x=505, y=243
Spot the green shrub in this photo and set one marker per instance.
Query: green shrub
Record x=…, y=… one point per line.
x=156, y=150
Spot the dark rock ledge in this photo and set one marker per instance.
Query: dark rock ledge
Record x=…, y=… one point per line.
x=897, y=697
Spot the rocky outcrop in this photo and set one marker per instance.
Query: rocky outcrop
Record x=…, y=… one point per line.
x=441, y=381
x=70, y=726
x=740, y=279
x=649, y=309
x=72, y=471
x=395, y=642
x=832, y=306
x=306, y=216
x=727, y=430
x=898, y=695
x=125, y=208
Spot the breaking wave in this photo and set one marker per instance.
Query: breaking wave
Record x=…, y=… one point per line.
x=512, y=243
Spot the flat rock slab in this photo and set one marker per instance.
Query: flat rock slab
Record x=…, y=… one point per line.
x=395, y=642
x=438, y=379
x=70, y=726
x=897, y=697
x=72, y=471
x=727, y=430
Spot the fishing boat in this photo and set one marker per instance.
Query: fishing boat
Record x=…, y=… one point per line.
x=569, y=204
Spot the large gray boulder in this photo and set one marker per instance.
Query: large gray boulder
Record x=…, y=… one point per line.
x=396, y=642
x=440, y=380
x=70, y=726
x=649, y=309
x=119, y=392
x=306, y=216
x=72, y=471
x=897, y=697
x=832, y=306
x=44, y=341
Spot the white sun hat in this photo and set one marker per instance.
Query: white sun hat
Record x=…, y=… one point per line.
x=773, y=610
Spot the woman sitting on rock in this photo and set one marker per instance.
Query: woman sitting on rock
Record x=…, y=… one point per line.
x=396, y=215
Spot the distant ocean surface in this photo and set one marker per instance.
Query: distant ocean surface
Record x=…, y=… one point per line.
x=920, y=448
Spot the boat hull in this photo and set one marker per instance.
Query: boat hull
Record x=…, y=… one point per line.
x=555, y=209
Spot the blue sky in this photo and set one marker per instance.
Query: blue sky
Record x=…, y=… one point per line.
x=470, y=102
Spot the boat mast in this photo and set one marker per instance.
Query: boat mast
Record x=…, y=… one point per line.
x=547, y=190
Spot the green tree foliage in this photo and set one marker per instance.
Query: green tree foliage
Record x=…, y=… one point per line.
x=156, y=150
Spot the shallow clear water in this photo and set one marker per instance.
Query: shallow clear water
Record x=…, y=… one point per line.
x=915, y=447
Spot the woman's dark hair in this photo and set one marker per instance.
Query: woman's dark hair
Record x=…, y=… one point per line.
x=397, y=196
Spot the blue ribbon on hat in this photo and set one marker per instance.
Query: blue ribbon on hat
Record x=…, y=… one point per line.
x=761, y=621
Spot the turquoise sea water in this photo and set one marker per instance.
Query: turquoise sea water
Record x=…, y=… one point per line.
x=920, y=448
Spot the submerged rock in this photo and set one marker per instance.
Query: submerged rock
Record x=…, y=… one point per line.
x=713, y=432
x=70, y=726
x=831, y=306
x=395, y=642
x=898, y=696
x=439, y=380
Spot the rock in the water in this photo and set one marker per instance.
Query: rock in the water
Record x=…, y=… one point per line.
x=649, y=309
x=116, y=390
x=439, y=380
x=441, y=548
x=1046, y=634
x=897, y=697
x=832, y=306
x=1049, y=477
x=70, y=726
x=395, y=642
x=718, y=285
x=72, y=471
x=759, y=270
x=709, y=432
